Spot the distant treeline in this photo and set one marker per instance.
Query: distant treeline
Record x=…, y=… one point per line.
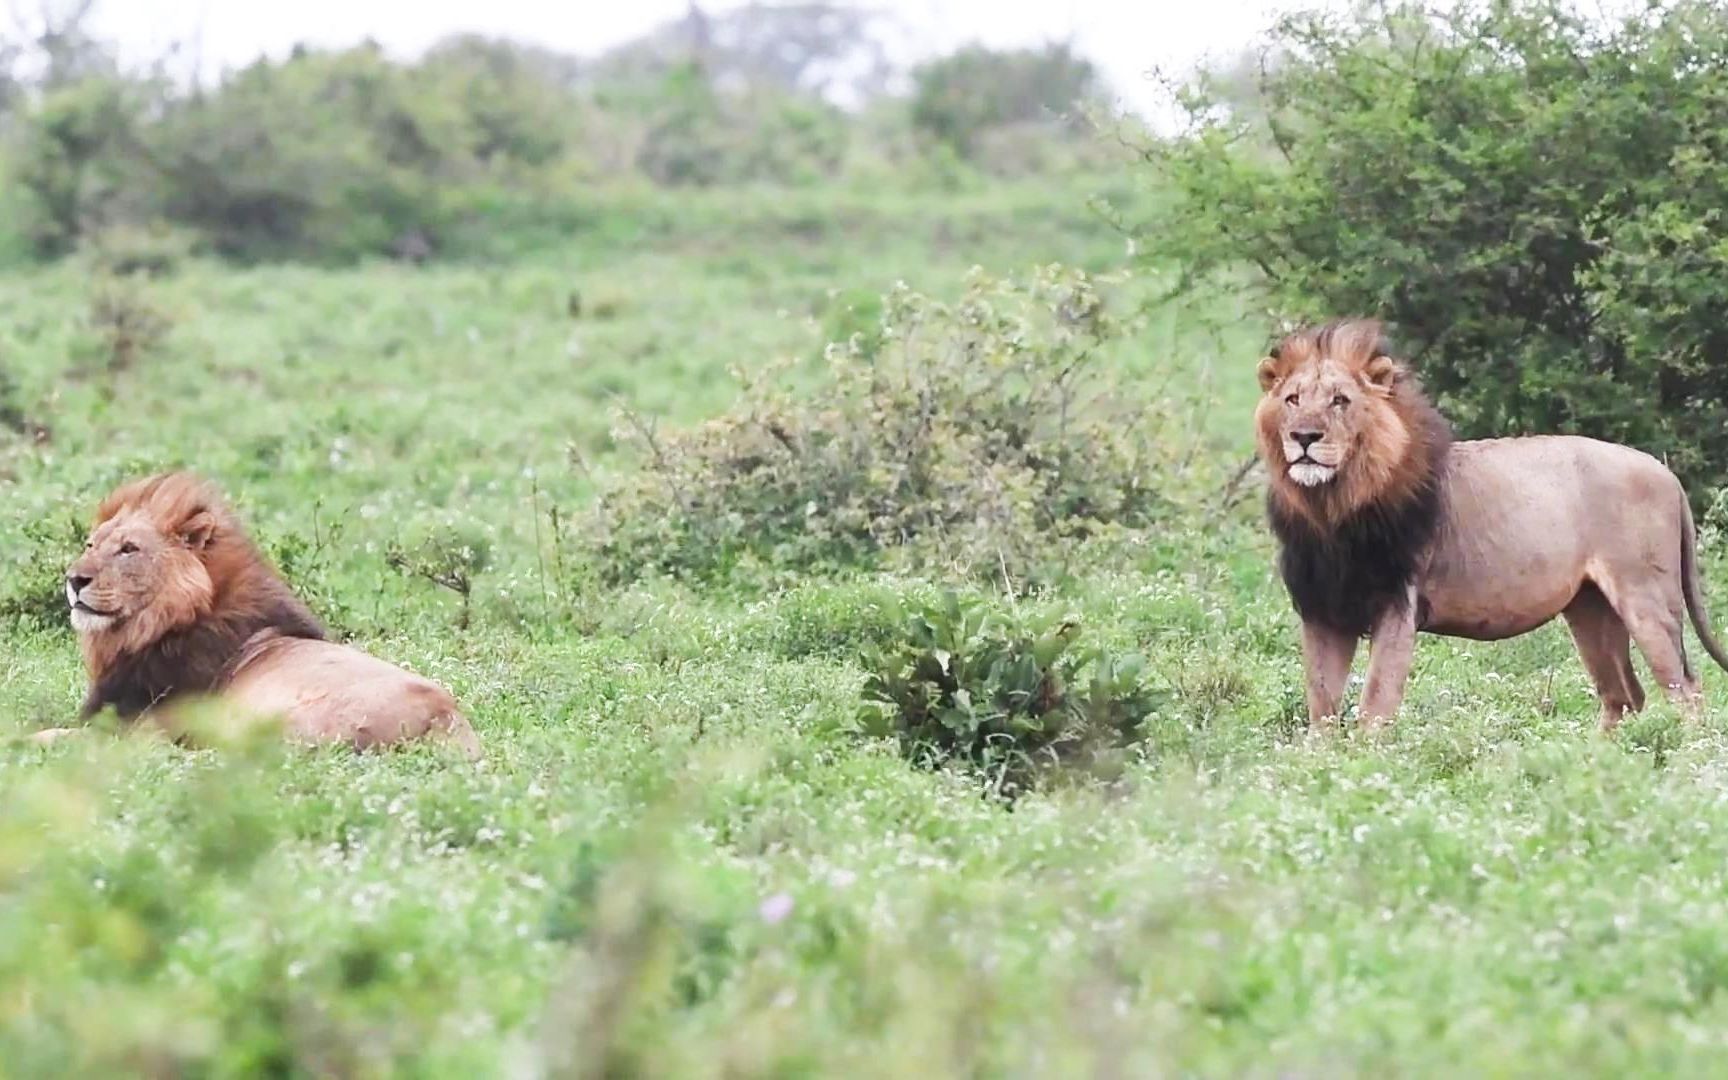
x=341, y=154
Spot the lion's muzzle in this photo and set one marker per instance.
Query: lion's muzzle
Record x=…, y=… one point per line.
x=1310, y=460
x=86, y=617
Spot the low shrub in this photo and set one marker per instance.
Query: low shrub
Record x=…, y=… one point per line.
x=451, y=560
x=126, y=321
x=978, y=437
x=14, y=417
x=68, y=160
x=1011, y=697
x=827, y=618
x=152, y=250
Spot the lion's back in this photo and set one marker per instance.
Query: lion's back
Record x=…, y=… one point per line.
x=328, y=692
x=1541, y=484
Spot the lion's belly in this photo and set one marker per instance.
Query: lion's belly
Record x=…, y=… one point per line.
x=1498, y=590
x=1486, y=621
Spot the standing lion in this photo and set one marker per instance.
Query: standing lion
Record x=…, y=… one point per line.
x=1388, y=527
x=171, y=599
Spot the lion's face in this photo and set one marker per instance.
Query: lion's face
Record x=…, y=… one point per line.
x=132, y=575
x=1315, y=418
x=1322, y=412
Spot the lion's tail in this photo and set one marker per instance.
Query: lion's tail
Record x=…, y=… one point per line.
x=1694, y=594
x=462, y=731
x=455, y=727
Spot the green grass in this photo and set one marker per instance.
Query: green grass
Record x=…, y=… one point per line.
x=676, y=859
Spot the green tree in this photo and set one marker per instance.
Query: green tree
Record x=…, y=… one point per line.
x=517, y=98
x=72, y=161
x=959, y=97
x=325, y=154
x=1532, y=196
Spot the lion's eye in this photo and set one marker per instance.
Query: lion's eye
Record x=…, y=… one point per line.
x=1340, y=400
x=1292, y=399
x=128, y=548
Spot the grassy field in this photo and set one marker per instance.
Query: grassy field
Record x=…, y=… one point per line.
x=677, y=859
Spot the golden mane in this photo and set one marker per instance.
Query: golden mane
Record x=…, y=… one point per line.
x=216, y=596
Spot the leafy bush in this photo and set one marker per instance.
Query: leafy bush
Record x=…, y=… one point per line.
x=330, y=155
x=337, y=155
x=977, y=436
x=1011, y=697
x=15, y=419
x=1532, y=197
x=515, y=97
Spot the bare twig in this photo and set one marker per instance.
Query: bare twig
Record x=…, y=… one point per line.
x=454, y=578
x=574, y=455
x=662, y=464
x=781, y=435
x=1233, y=490
x=539, y=548
x=558, y=552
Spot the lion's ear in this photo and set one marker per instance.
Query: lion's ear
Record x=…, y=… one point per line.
x=1384, y=372
x=198, y=530
x=1268, y=375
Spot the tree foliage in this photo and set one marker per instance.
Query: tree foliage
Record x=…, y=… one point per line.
x=958, y=99
x=1533, y=196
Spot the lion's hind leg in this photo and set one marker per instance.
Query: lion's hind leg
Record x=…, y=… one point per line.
x=1605, y=646
x=1655, y=613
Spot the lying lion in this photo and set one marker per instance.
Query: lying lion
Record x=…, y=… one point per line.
x=172, y=601
x=1388, y=527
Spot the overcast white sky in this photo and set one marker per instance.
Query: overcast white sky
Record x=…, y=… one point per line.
x=1126, y=37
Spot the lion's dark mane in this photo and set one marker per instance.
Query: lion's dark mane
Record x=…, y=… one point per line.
x=1348, y=577
x=198, y=658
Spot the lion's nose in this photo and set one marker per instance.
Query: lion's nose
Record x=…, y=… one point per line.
x=76, y=583
x=1305, y=439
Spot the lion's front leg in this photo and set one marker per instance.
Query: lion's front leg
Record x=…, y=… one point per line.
x=1326, y=654
x=1391, y=644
